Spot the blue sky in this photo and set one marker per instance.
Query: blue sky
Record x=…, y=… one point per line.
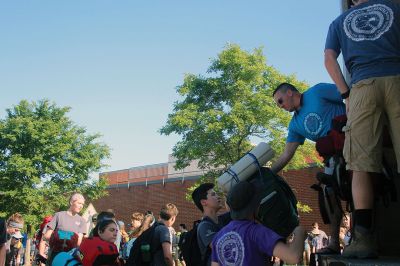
x=117, y=63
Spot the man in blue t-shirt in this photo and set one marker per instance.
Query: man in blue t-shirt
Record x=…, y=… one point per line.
x=312, y=119
x=244, y=241
x=368, y=36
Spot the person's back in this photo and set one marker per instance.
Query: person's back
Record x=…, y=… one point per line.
x=244, y=241
x=154, y=246
x=368, y=37
x=161, y=235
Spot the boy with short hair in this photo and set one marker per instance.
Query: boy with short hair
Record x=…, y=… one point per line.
x=209, y=203
x=163, y=237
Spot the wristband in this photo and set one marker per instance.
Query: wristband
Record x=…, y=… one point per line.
x=345, y=95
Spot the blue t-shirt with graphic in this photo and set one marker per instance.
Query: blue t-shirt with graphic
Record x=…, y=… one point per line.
x=368, y=35
x=320, y=104
x=244, y=242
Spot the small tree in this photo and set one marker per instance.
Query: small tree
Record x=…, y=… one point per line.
x=44, y=157
x=220, y=114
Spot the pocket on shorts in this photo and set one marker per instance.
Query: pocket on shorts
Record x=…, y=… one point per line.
x=364, y=82
x=347, y=144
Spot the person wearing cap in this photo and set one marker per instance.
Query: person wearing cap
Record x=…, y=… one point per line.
x=244, y=241
x=14, y=254
x=13, y=225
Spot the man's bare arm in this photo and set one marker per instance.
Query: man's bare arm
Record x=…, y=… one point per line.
x=167, y=250
x=334, y=71
x=333, y=68
x=2, y=254
x=285, y=157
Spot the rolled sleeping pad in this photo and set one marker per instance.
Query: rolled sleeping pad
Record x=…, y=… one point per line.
x=246, y=166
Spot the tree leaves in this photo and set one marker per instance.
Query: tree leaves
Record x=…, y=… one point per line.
x=44, y=157
x=221, y=114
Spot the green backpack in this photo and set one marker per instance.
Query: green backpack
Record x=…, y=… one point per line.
x=278, y=210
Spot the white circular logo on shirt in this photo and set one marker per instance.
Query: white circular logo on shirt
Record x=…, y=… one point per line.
x=368, y=23
x=230, y=249
x=313, y=124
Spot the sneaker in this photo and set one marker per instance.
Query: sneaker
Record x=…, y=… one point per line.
x=363, y=246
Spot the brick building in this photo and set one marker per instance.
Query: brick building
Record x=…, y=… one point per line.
x=149, y=187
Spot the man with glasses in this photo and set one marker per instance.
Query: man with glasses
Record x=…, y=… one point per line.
x=209, y=203
x=313, y=112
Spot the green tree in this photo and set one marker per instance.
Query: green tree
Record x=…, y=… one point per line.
x=220, y=114
x=44, y=157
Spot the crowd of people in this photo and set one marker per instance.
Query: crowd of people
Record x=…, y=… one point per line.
x=231, y=237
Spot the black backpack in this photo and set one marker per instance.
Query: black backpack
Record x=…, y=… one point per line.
x=190, y=248
x=142, y=251
x=278, y=210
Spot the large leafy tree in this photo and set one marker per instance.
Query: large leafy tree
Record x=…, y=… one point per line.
x=44, y=157
x=220, y=114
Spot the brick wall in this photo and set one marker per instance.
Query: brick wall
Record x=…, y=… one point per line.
x=124, y=199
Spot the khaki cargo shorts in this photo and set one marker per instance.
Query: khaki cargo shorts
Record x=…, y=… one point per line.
x=373, y=103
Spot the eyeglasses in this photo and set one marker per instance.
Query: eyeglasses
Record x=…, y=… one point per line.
x=212, y=193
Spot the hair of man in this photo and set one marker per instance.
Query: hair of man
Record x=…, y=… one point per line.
x=168, y=211
x=15, y=218
x=284, y=87
x=200, y=193
x=76, y=196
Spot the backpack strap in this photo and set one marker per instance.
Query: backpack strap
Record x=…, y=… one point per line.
x=208, y=220
x=159, y=246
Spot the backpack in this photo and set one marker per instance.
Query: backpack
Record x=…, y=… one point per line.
x=142, y=251
x=70, y=258
x=61, y=240
x=189, y=246
x=330, y=148
x=278, y=207
x=127, y=248
x=95, y=251
x=39, y=232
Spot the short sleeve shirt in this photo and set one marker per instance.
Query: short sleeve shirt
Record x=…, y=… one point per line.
x=319, y=105
x=161, y=235
x=206, y=231
x=64, y=221
x=318, y=240
x=368, y=36
x=244, y=242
